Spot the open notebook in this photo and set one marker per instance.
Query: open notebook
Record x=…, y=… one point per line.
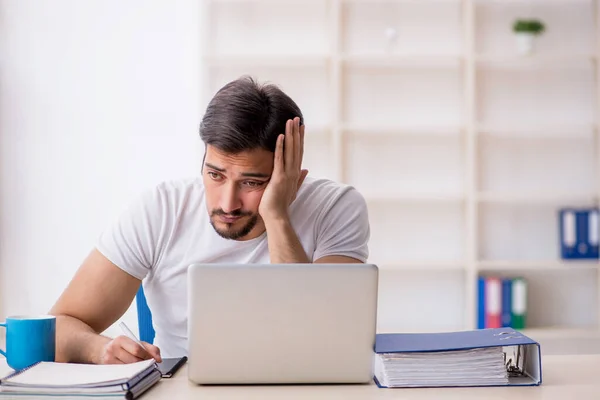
x=62, y=379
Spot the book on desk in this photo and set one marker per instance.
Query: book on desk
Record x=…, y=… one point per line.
x=485, y=357
x=127, y=381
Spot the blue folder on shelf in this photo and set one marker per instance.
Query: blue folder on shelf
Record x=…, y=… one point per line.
x=579, y=233
x=483, y=357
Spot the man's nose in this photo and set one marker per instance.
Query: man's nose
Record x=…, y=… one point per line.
x=230, y=200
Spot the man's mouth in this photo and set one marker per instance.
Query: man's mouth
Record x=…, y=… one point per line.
x=228, y=219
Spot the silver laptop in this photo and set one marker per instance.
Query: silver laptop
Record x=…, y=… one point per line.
x=281, y=323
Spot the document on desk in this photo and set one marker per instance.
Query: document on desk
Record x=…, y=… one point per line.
x=5, y=370
x=63, y=379
x=486, y=357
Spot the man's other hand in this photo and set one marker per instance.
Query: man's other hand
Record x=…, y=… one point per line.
x=123, y=350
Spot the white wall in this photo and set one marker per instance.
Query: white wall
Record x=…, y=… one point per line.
x=99, y=99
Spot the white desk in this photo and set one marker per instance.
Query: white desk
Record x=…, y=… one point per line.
x=564, y=377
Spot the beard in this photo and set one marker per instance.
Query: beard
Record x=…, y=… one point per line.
x=230, y=232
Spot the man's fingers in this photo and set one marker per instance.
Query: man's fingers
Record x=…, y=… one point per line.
x=119, y=351
x=123, y=350
x=153, y=350
x=301, y=146
x=297, y=144
x=278, y=162
x=135, y=350
x=289, y=145
x=125, y=357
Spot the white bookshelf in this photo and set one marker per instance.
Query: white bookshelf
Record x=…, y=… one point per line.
x=463, y=149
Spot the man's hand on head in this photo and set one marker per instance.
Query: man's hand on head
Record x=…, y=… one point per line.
x=287, y=176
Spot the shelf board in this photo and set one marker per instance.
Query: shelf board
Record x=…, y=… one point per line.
x=535, y=60
x=420, y=265
x=414, y=197
x=499, y=265
x=270, y=61
x=432, y=2
x=449, y=131
x=518, y=197
x=522, y=131
x=561, y=333
x=454, y=2
x=378, y=61
x=533, y=2
x=264, y=1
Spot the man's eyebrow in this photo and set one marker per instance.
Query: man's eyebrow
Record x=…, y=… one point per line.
x=209, y=165
x=255, y=175
x=244, y=174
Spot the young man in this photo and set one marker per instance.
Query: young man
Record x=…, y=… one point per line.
x=253, y=204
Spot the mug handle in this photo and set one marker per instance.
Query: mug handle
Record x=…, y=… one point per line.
x=1, y=351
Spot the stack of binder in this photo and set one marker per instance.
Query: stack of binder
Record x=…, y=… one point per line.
x=489, y=357
x=502, y=302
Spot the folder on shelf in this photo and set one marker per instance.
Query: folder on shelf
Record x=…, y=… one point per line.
x=594, y=232
x=501, y=302
x=493, y=303
x=481, y=302
x=507, y=285
x=579, y=233
x=518, y=303
x=487, y=357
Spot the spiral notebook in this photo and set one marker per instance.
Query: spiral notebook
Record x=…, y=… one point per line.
x=126, y=381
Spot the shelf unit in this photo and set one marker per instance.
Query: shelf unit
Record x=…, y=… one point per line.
x=463, y=149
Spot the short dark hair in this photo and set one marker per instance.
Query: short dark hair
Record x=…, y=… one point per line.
x=244, y=115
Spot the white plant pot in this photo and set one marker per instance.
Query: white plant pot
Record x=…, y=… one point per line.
x=525, y=43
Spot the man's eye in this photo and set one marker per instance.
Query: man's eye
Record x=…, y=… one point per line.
x=213, y=175
x=253, y=183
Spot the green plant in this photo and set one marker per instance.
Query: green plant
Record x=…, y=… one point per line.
x=532, y=26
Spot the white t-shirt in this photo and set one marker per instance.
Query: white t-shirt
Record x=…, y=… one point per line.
x=168, y=229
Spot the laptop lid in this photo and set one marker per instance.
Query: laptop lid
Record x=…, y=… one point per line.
x=281, y=323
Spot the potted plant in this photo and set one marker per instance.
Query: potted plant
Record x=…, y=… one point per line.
x=526, y=30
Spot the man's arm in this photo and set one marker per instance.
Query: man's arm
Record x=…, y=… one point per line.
x=338, y=260
x=284, y=245
x=96, y=297
x=286, y=179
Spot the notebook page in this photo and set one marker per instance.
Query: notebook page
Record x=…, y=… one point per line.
x=62, y=374
x=5, y=370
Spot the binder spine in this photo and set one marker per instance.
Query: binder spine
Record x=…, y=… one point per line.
x=493, y=303
x=519, y=303
x=568, y=237
x=594, y=233
x=506, y=302
x=579, y=232
x=481, y=303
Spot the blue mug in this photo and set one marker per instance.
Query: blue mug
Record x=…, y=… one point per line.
x=29, y=339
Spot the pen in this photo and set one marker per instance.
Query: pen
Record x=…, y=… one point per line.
x=130, y=334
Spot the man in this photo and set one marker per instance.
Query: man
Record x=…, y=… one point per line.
x=253, y=204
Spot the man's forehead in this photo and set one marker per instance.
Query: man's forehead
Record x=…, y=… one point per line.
x=255, y=160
